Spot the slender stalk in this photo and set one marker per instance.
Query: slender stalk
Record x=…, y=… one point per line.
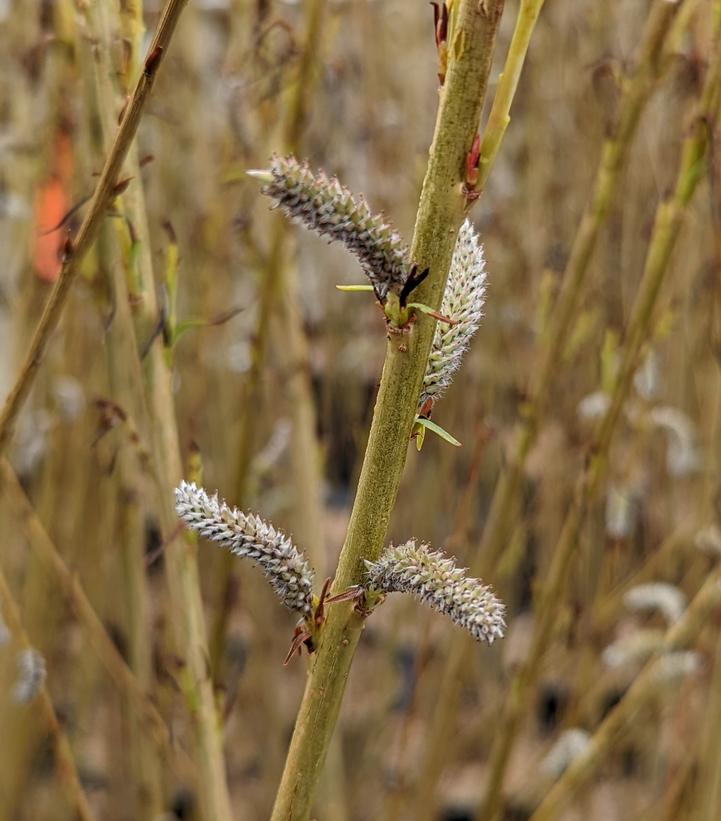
x=123, y=677
x=635, y=96
x=708, y=785
x=64, y=760
x=669, y=217
x=499, y=118
x=708, y=797
x=123, y=366
x=104, y=194
x=643, y=690
x=440, y=212
x=637, y=92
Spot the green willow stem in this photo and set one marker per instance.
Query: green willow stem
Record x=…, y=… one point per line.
x=128, y=283
x=669, y=217
x=636, y=94
x=708, y=784
x=442, y=206
x=151, y=385
x=499, y=118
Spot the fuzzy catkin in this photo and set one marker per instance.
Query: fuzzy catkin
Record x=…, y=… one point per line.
x=434, y=579
x=247, y=535
x=666, y=598
x=326, y=207
x=571, y=744
x=462, y=302
x=31, y=675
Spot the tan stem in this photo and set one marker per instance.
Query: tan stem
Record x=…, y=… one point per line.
x=80, y=244
x=70, y=586
x=64, y=760
x=642, y=691
x=637, y=91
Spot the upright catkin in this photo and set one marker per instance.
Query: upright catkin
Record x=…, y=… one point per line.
x=462, y=302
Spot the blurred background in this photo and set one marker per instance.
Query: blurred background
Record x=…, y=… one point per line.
x=274, y=372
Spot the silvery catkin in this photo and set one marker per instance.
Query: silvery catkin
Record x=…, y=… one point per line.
x=434, y=579
x=462, y=302
x=247, y=535
x=328, y=208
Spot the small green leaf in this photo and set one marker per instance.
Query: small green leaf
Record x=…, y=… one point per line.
x=420, y=434
x=354, y=288
x=438, y=430
x=194, y=322
x=185, y=325
x=426, y=309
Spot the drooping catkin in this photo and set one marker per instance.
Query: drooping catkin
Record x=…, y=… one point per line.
x=322, y=204
x=665, y=598
x=247, y=535
x=434, y=579
x=463, y=302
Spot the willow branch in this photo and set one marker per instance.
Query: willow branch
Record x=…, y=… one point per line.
x=499, y=118
x=442, y=206
x=636, y=93
x=107, y=652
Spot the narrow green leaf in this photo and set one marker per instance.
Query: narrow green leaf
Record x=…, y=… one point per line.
x=438, y=430
x=195, y=322
x=185, y=325
x=420, y=434
x=354, y=288
x=426, y=309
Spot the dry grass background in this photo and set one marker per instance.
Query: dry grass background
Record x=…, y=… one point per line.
x=85, y=459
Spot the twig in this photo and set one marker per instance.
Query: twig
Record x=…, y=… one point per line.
x=77, y=247
x=121, y=674
x=613, y=154
x=185, y=605
x=614, y=151
x=499, y=118
x=64, y=760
